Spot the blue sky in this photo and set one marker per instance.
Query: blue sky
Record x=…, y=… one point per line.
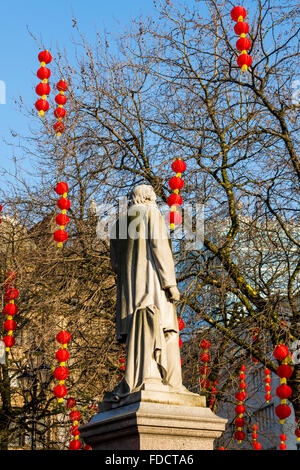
x=51, y=22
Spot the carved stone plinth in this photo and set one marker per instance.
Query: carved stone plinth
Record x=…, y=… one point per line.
x=154, y=420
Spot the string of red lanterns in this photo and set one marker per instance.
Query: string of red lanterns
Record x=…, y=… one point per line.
x=61, y=373
x=256, y=445
x=240, y=409
x=60, y=111
x=10, y=309
x=122, y=361
x=181, y=326
x=268, y=387
x=284, y=371
x=213, y=392
x=297, y=430
x=244, y=60
x=64, y=204
x=283, y=438
x=43, y=89
x=204, y=358
x=174, y=201
x=75, y=417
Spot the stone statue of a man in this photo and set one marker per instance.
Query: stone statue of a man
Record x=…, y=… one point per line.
x=141, y=255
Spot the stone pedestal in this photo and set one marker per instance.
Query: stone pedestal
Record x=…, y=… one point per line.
x=154, y=420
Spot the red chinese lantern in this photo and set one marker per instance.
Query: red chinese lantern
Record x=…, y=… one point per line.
x=60, y=112
x=243, y=44
x=60, y=391
x=180, y=342
x=11, y=294
x=204, y=344
x=281, y=352
x=43, y=73
x=42, y=106
x=256, y=445
x=62, y=355
x=61, y=99
x=9, y=325
x=9, y=341
x=61, y=188
x=176, y=183
x=43, y=89
x=74, y=431
x=284, y=391
x=241, y=28
x=59, y=128
x=64, y=204
x=10, y=309
x=71, y=403
x=204, y=357
x=61, y=373
x=178, y=166
x=62, y=219
x=174, y=200
x=241, y=396
x=75, y=444
x=284, y=371
x=60, y=236
x=239, y=436
x=239, y=422
x=238, y=13
x=244, y=61
x=63, y=337
x=283, y=411
x=62, y=85
x=87, y=447
x=45, y=56
x=75, y=415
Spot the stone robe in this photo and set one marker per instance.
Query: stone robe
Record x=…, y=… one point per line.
x=145, y=266
x=141, y=255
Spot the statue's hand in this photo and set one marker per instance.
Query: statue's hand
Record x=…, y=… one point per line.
x=174, y=293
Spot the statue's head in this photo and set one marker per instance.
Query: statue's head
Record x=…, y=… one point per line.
x=143, y=194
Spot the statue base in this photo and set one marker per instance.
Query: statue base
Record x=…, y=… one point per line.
x=154, y=420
